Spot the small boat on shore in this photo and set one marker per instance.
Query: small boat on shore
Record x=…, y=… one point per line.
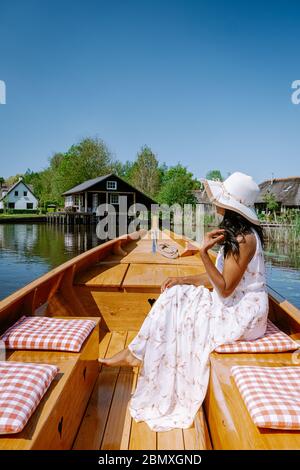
x=86, y=406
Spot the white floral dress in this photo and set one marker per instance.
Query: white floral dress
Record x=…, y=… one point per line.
x=184, y=326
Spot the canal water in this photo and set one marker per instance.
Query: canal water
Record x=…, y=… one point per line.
x=29, y=250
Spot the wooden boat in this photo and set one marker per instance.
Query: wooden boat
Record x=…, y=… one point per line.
x=86, y=407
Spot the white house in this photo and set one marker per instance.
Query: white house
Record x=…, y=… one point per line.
x=19, y=196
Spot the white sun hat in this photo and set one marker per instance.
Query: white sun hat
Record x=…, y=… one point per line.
x=237, y=193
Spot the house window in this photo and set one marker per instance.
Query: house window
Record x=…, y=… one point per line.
x=95, y=201
x=11, y=205
x=69, y=200
x=29, y=205
x=24, y=193
x=111, y=185
x=16, y=193
x=114, y=199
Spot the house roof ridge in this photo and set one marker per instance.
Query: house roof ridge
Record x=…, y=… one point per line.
x=9, y=190
x=274, y=180
x=87, y=184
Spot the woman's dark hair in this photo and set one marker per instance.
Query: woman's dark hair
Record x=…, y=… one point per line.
x=234, y=225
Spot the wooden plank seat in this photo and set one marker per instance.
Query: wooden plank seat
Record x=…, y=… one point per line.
x=230, y=424
x=120, y=310
x=150, y=277
x=142, y=253
x=56, y=420
x=107, y=274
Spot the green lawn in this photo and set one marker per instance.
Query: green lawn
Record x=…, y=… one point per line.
x=16, y=216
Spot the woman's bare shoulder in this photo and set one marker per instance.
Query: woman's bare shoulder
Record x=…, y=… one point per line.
x=247, y=243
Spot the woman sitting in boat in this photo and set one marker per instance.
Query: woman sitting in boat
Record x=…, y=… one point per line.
x=188, y=321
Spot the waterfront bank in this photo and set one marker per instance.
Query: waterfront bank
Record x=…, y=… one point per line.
x=22, y=219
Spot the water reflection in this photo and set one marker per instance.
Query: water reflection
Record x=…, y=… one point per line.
x=29, y=250
x=283, y=263
x=283, y=254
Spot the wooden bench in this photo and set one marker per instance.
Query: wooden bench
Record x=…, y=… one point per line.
x=149, y=277
x=142, y=254
x=55, y=422
x=230, y=424
x=106, y=274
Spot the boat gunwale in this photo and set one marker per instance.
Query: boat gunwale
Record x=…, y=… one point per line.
x=38, y=282
x=63, y=275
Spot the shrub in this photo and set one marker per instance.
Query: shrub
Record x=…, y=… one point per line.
x=22, y=211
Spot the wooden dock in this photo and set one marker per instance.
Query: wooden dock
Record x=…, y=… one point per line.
x=23, y=220
x=71, y=218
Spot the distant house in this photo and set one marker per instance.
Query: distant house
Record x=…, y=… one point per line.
x=107, y=189
x=3, y=190
x=203, y=200
x=285, y=190
x=19, y=196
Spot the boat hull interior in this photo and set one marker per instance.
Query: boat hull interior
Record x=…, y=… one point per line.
x=87, y=407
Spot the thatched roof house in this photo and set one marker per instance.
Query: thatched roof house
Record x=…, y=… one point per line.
x=285, y=190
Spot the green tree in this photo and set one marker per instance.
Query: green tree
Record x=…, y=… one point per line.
x=11, y=180
x=270, y=200
x=177, y=186
x=5, y=203
x=214, y=175
x=40, y=183
x=124, y=170
x=86, y=160
x=162, y=169
x=271, y=203
x=144, y=174
x=2, y=181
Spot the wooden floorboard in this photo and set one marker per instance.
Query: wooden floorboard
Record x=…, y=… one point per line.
x=170, y=440
x=93, y=425
x=203, y=437
x=190, y=438
x=107, y=423
x=124, y=445
x=125, y=441
x=113, y=434
x=142, y=437
x=118, y=427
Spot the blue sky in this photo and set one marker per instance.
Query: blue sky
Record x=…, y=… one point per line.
x=207, y=84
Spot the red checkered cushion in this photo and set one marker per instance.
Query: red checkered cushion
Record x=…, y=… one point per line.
x=22, y=386
x=271, y=395
x=274, y=340
x=54, y=334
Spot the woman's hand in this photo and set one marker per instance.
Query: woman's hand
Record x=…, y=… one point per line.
x=211, y=238
x=170, y=282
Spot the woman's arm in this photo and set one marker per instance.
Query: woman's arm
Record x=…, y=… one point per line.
x=234, y=269
x=204, y=279
x=195, y=280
